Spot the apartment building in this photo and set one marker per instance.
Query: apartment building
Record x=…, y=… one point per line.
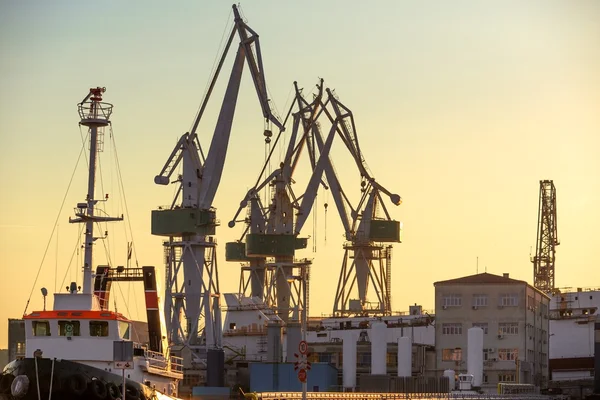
x=514, y=318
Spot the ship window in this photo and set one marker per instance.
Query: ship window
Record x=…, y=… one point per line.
x=98, y=328
x=124, y=329
x=41, y=328
x=68, y=328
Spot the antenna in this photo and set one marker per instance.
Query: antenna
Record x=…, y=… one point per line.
x=477, y=268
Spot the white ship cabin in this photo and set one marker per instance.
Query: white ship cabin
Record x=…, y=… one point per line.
x=75, y=335
x=78, y=330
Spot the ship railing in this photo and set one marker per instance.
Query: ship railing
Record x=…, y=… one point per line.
x=156, y=359
x=176, y=364
x=95, y=110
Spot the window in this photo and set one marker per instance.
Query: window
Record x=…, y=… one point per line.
x=530, y=302
x=509, y=300
x=508, y=354
x=451, y=329
x=508, y=328
x=487, y=354
x=41, y=328
x=480, y=300
x=98, y=328
x=364, y=359
x=392, y=359
x=452, y=354
x=325, y=357
x=485, y=378
x=482, y=325
x=506, y=377
x=452, y=300
x=68, y=328
x=20, y=349
x=191, y=380
x=124, y=330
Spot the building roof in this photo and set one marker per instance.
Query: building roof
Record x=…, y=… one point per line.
x=483, y=278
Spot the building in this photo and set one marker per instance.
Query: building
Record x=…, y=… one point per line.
x=572, y=318
x=514, y=317
x=246, y=339
x=3, y=358
x=16, y=339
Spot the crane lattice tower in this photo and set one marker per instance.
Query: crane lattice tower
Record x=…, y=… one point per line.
x=547, y=240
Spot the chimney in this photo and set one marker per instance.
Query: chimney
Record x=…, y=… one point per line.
x=505, y=274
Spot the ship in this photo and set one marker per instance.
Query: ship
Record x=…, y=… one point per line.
x=80, y=349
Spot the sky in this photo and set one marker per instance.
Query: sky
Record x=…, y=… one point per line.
x=461, y=107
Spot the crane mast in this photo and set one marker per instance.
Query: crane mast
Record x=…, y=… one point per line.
x=95, y=114
x=547, y=239
x=192, y=298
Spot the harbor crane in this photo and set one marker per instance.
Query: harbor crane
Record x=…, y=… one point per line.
x=367, y=260
x=271, y=273
x=192, y=295
x=547, y=239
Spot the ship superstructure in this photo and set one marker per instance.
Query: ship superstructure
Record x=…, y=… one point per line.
x=70, y=349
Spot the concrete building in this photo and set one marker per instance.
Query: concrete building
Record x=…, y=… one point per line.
x=514, y=317
x=572, y=318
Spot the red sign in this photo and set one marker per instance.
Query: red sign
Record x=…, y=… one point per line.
x=303, y=347
x=302, y=375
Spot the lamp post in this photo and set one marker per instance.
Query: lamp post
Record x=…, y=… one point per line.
x=304, y=323
x=303, y=320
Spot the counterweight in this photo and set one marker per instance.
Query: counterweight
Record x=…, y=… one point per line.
x=547, y=240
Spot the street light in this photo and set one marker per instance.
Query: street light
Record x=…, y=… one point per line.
x=302, y=279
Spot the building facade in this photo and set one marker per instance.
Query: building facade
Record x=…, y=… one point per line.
x=573, y=314
x=514, y=317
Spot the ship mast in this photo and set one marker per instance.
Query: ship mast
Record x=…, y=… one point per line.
x=95, y=115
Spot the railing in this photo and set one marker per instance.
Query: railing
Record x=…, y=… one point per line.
x=385, y=396
x=176, y=364
x=95, y=110
x=244, y=332
x=156, y=360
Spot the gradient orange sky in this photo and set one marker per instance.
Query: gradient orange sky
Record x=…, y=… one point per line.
x=461, y=108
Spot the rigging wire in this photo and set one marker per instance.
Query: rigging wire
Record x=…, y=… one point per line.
x=325, y=222
x=53, y=229
x=73, y=254
x=282, y=144
x=214, y=68
x=120, y=178
x=314, y=249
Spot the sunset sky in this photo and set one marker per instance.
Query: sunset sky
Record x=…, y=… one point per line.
x=461, y=107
